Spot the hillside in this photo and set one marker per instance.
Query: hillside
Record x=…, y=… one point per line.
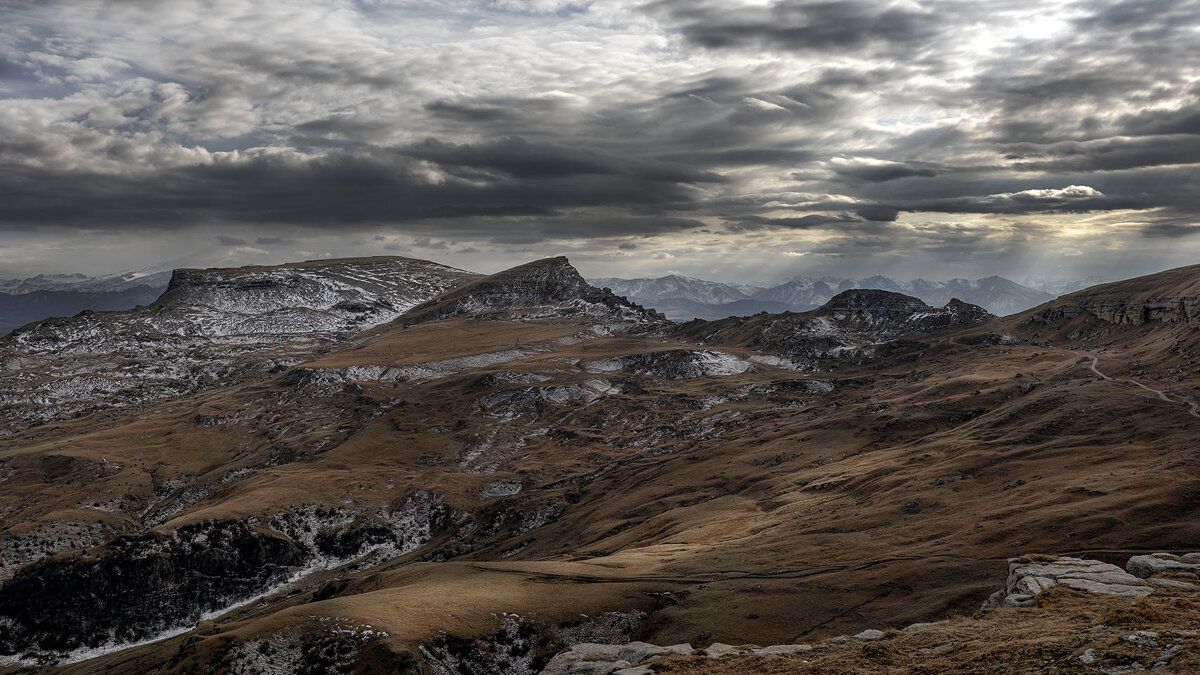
x=522, y=463
x=209, y=328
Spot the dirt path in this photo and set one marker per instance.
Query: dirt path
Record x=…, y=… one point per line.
x=1193, y=407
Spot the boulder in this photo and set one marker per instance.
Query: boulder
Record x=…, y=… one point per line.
x=1146, y=566
x=719, y=649
x=782, y=649
x=574, y=662
x=870, y=634
x=641, y=652
x=599, y=651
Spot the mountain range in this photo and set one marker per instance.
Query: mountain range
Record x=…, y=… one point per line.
x=682, y=298
x=679, y=298
x=34, y=298
x=388, y=465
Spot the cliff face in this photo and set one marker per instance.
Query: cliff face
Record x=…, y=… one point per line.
x=1135, y=311
x=1172, y=296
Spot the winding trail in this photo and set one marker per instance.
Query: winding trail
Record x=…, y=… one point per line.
x=1193, y=407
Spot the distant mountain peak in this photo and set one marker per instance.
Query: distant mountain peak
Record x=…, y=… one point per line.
x=857, y=299
x=545, y=288
x=684, y=298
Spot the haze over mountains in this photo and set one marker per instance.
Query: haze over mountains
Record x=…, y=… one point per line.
x=46, y=295
x=683, y=298
x=391, y=465
x=679, y=298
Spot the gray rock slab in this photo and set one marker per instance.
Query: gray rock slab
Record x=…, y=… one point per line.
x=719, y=649
x=782, y=649
x=1146, y=566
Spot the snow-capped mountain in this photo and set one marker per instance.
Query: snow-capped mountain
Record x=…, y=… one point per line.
x=35, y=298
x=683, y=298
x=675, y=286
x=83, y=283
x=1057, y=287
x=208, y=327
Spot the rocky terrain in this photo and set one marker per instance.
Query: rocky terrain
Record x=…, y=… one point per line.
x=210, y=327
x=1121, y=641
x=1171, y=297
x=408, y=468
x=853, y=325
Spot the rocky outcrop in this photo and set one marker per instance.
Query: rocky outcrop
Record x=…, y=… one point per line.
x=676, y=364
x=1172, y=296
x=1146, y=566
x=549, y=288
x=1137, y=311
x=1031, y=575
x=139, y=587
x=638, y=658
x=601, y=659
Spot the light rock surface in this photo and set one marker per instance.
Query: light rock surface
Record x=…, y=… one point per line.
x=1146, y=566
x=1029, y=578
x=719, y=649
x=636, y=658
x=782, y=649
x=589, y=658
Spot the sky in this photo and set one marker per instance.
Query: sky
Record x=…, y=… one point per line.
x=735, y=140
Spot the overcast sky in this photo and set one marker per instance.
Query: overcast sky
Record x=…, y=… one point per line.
x=740, y=140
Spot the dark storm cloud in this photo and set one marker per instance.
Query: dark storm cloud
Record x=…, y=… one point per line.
x=1107, y=154
x=352, y=190
x=878, y=212
x=517, y=122
x=1163, y=122
x=809, y=222
x=801, y=26
x=522, y=159
x=492, y=109
x=881, y=173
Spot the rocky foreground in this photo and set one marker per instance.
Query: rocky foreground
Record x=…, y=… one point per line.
x=1055, y=614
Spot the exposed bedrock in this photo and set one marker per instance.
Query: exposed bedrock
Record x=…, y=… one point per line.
x=139, y=587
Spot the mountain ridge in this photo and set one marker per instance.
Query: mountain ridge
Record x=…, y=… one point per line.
x=685, y=298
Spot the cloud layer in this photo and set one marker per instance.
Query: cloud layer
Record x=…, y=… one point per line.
x=704, y=136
